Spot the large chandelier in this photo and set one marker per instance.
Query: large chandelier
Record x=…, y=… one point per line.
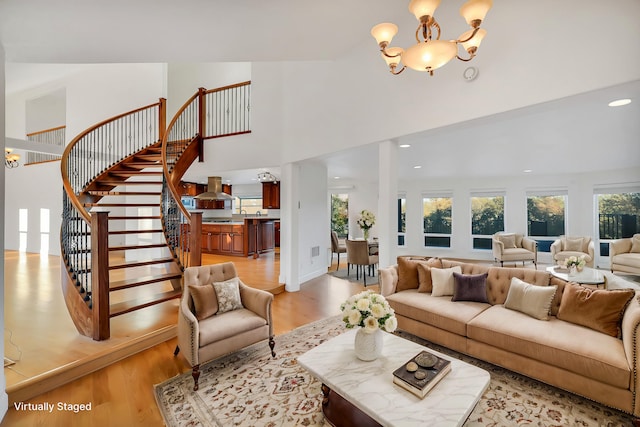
x=11, y=160
x=431, y=53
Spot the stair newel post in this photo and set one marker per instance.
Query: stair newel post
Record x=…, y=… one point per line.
x=100, y=275
x=162, y=118
x=202, y=120
x=195, y=241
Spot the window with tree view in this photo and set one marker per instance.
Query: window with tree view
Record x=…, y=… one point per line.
x=487, y=218
x=436, y=221
x=402, y=220
x=340, y=214
x=545, y=218
x=618, y=217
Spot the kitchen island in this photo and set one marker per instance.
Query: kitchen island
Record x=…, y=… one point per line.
x=250, y=237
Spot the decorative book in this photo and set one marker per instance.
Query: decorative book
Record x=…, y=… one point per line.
x=420, y=374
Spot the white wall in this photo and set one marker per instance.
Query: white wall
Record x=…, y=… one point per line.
x=94, y=94
x=313, y=222
x=46, y=112
x=334, y=105
x=4, y=399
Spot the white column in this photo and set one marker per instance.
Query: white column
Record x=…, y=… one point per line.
x=289, y=227
x=387, y=221
x=4, y=399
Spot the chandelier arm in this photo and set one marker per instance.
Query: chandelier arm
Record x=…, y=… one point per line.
x=465, y=59
x=437, y=26
x=384, y=52
x=470, y=37
x=393, y=71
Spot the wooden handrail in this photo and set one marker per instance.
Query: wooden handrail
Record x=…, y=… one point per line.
x=220, y=89
x=46, y=130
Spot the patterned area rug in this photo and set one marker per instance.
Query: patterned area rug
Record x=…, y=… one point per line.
x=250, y=388
x=351, y=277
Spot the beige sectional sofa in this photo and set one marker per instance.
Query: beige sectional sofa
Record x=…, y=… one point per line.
x=578, y=358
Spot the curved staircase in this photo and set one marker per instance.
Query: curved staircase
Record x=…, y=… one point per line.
x=126, y=237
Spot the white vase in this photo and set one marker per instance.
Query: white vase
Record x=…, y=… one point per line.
x=368, y=346
x=573, y=270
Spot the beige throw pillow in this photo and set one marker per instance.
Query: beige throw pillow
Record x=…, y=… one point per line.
x=573, y=245
x=529, y=299
x=205, y=302
x=228, y=293
x=508, y=240
x=635, y=243
x=442, y=280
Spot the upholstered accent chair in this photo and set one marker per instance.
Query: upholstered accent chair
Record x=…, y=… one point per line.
x=358, y=255
x=567, y=246
x=219, y=314
x=625, y=255
x=513, y=247
x=337, y=247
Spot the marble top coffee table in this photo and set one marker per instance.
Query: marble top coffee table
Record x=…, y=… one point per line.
x=588, y=275
x=363, y=393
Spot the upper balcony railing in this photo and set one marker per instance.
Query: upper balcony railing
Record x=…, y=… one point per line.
x=54, y=136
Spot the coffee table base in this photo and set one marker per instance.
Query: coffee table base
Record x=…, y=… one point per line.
x=340, y=412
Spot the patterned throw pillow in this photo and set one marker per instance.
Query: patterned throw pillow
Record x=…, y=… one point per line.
x=228, y=293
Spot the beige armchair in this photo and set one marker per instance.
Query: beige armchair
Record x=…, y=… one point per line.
x=565, y=247
x=336, y=247
x=205, y=330
x=358, y=255
x=625, y=255
x=514, y=247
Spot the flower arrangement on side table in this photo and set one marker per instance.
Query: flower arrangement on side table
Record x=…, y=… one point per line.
x=371, y=314
x=366, y=221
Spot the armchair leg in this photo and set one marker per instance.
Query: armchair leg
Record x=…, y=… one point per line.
x=196, y=375
x=272, y=344
x=176, y=351
x=338, y=266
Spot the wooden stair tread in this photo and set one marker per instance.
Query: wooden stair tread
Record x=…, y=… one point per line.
x=125, y=172
x=118, y=183
x=124, y=218
x=116, y=232
x=123, y=193
x=142, y=263
x=131, y=247
x=137, y=304
x=122, y=205
x=143, y=280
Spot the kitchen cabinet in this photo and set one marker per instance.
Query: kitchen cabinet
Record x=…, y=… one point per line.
x=190, y=188
x=276, y=231
x=223, y=239
x=271, y=195
x=259, y=236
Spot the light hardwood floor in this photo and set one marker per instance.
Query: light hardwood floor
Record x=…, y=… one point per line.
x=40, y=336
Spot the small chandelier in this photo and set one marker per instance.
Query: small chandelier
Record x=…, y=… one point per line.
x=267, y=177
x=431, y=53
x=11, y=160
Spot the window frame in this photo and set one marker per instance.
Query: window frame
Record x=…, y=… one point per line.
x=433, y=235
x=487, y=237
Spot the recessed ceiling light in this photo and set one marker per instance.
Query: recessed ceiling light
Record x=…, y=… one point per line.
x=336, y=177
x=405, y=145
x=417, y=167
x=619, y=102
x=527, y=171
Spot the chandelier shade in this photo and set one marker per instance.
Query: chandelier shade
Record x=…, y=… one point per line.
x=430, y=53
x=10, y=159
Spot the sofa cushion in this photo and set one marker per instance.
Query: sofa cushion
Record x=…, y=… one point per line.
x=408, y=271
x=442, y=280
x=557, y=343
x=439, y=312
x=470, y=287
x=499, y=279
x=635, y=244
x=424, y=278
x=508, y=240
x=628, y=259
x=598, y=309
x=532, y=300
x=229, y=324
x=228, y=295
x=572, y=244
x=204, y=299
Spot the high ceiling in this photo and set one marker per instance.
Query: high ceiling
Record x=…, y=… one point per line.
x=72, y=32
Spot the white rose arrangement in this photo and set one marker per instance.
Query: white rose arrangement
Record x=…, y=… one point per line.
x=370, y=311
x=574, y=261
x=367, y=220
